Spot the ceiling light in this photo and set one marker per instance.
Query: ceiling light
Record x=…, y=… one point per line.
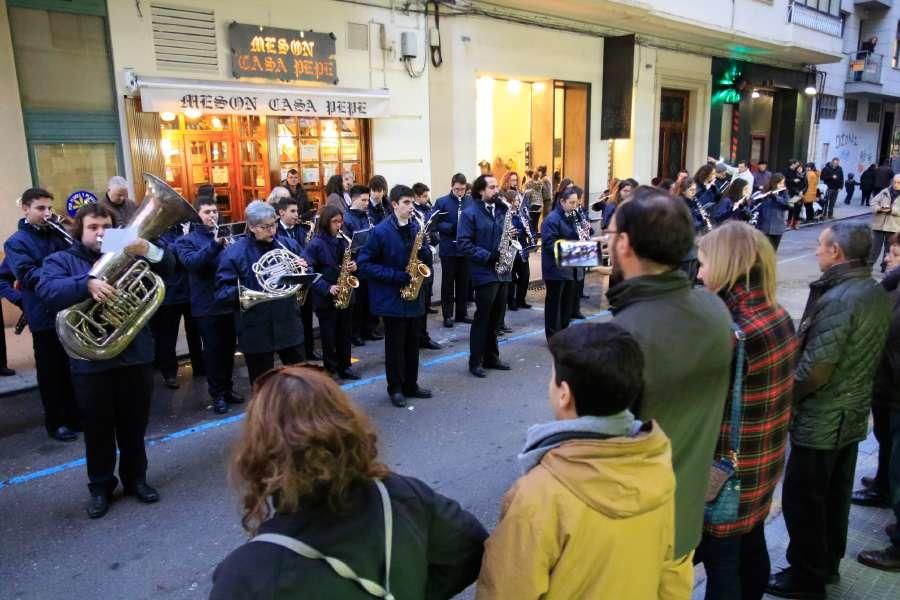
x=810, y=90
x=167, y=116
x=755, y=94
x=192, y=113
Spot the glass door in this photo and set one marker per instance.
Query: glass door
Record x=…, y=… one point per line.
x=210, y=160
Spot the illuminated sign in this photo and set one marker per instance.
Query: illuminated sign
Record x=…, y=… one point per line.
x=283, y=54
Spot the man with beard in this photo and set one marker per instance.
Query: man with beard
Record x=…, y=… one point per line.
x=685, y=334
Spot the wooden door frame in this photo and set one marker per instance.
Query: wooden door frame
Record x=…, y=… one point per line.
x=587, y=128
x=669, y=125
x=234, y=166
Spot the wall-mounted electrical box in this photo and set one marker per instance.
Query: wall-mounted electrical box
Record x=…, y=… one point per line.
x=409, y=45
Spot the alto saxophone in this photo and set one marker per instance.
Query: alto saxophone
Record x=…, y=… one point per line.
x=506, y=249
x=418, y=271
x=346, y=282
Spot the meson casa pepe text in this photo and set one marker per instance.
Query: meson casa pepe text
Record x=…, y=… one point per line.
x=282, y=54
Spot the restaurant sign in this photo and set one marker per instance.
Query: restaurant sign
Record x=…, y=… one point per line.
x=283, y=54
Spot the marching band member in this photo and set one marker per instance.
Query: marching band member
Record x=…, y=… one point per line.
x=560, y=281
x=379, y=203
x=358, y=218
x=454, y=265
x=113, y=394
x=290, y=226
x=478, y=237
x=269, y=327
x=424, y=210
x=200, y=251
x=326, y=255
x=166, y=320
x=518, y=286
x=383, y=261
x=26, y=251
x=582, y=222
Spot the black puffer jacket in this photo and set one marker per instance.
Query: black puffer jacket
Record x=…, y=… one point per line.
x=887, y=376
x=845, y=324
x=436, y=551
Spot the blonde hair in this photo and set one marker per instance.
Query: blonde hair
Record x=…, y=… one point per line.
x=733, y=253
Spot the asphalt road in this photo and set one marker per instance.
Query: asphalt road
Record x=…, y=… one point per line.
x=463, y=442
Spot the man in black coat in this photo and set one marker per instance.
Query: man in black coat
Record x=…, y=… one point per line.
x=833, y=177
x=883, y=176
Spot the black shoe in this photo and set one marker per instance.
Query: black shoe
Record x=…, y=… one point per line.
x=6, y=372
x=220, y=406
x=143, y=492
x=468, y=320
x=499, y=333
x=313, y=355
x=833, y=578
x=171, y=382
x=789, y=584
x=374, y=336
x=448, y=323
x=398, y=400
x=431, y=311
x=578, y=316
x=498, y=366
x=884, y=560
x=524, y=305
x=870, y=497
x=348, y=374
x=867, y=482
x=419, y=392
x=197, y=372
x=512, y=307
x=583, y=297
x=357, y=341
x=429, y=344
x=98, y=505
x=234, y=398
x=63, y=434
x=477, y=372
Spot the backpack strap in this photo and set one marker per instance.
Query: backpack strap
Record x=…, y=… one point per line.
x=339, y=566
x=734, y=438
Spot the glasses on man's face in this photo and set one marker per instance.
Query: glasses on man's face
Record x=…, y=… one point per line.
x=267, y=227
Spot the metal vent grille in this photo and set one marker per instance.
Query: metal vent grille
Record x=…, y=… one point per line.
x=357, y=36
x=184, y=39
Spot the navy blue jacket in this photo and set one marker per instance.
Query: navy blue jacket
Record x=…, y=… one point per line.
x=708, y=197
x=771, y=213
x=325, y=253
x=297, y=233
x=64, y=282
x=26, y=250
x=382, y=262
x=199, y=253
x=356, y=220
x=378, y=211
x=7, y=285
x=268, y=326
x=520, y=233
x=609, y=209
x=478, y=238
x=557, y=226
x=446, y=227
x=724, y=211
x=177, y=286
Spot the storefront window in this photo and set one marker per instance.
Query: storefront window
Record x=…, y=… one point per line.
x=66, y=168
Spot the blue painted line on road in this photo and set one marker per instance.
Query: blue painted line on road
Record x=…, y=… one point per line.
x=211, y=425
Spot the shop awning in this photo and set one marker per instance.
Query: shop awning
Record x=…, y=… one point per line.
x=163, y=94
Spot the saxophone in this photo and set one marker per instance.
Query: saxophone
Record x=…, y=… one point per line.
x=345, y=281
x=506, y=248
x=418, y=271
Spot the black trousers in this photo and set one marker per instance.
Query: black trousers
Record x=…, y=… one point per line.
x=775, y=240
x=577, y=291
x=816, y=504
x=219, y=343
x=490, y=303
x=363, y=320
x=116, y=407
x=401, y=354
x=880, y=247
x=3, y=359
x=830, y=200
x=866, y=196
x=737, y=566
x=54, y=381
x=881, y=417
x=558, y=306
x=306, y=317
x=164, y=326
x=335, y=329
x=518, y=287
x=425, y=299
x=454, y=286
x=259, y=363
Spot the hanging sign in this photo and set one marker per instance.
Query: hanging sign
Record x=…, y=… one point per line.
x=283, y=54
x=78, y=199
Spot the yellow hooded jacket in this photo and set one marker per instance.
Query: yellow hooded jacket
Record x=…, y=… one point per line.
x=595, y=519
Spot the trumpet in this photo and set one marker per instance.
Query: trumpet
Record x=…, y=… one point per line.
x=54, y=222
x=232, y=231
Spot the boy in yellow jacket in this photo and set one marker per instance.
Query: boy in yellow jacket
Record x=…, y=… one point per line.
x=593, y=515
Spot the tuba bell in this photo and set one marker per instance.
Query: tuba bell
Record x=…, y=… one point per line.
x=93, y=330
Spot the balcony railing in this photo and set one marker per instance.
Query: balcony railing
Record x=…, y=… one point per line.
x=864, y=67
x=804, y=16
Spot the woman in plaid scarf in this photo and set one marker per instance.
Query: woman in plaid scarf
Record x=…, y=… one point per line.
x=738, y=263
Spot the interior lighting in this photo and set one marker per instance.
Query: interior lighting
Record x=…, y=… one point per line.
x=810, y=90
x=192, y=113
x=539, y=86
x=167, y=116
x=755, y=94
x=513, y=86
x=216, y=123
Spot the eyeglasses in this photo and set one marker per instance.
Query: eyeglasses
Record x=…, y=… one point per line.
x=268, y=227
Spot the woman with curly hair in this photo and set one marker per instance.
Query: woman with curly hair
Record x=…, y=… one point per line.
x=313, y=490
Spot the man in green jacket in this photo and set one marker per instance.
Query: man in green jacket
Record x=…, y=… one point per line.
x=685, y=335
x=842, y=334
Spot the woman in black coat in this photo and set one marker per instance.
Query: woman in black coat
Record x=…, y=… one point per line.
x=308, y=471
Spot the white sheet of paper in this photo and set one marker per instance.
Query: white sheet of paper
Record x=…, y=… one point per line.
x=115, y=240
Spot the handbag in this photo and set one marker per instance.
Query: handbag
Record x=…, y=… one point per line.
x=338, y=566
x=723, y=491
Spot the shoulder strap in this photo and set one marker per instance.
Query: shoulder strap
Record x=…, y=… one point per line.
x=339, y=566
x=737, y=390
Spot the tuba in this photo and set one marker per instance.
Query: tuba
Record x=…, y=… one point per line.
x=270, y=269
x=346, y=282
x=92, y=330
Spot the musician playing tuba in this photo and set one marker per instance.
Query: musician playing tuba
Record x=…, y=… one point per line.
x=329, y=254
x=254, y=278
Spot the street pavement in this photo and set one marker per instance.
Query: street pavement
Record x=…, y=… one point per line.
x=463, y=442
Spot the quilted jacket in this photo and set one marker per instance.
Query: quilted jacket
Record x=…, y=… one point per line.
x=845, y=324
